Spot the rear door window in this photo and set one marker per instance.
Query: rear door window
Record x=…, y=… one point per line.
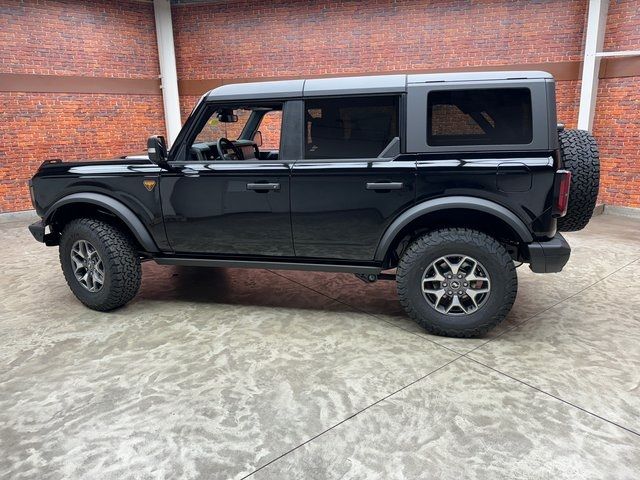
x=350, y=127
x=492, y=116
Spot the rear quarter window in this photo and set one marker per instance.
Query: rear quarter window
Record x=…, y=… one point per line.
x=491, y=116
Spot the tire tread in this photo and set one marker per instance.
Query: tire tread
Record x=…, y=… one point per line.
x=581, y=158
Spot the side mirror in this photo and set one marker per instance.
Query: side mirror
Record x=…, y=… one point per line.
x=157, y=150
x=257, y=138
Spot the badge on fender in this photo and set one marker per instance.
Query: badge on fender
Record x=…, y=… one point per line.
x=149, y=183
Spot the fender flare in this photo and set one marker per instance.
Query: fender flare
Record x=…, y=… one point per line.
x=439, y=204
x=114, y=206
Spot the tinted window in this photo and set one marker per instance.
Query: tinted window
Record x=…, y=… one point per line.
x=214, y=128
x=496, y=116
x=350, y=127
x=270, y=130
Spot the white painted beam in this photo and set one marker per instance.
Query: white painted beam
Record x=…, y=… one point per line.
x=624, y=53
x=596, y=25
x=168, y=73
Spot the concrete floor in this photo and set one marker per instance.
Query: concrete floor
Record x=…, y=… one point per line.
x=231, y=373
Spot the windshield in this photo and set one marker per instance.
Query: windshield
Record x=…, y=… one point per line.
x=214, y=128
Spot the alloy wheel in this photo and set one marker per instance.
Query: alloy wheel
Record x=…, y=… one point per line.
x=87, y=266
x=456, y=285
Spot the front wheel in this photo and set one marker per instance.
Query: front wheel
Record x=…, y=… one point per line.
x=99, y=263
x=457, y=282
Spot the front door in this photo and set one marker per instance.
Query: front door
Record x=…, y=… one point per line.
x=228, y=195
x=235, y=208
x=348, y=188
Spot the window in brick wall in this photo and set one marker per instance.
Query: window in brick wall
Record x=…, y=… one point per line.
x=356, y=127
x=492, y=116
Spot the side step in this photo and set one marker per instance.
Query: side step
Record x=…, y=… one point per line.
x=318, y=267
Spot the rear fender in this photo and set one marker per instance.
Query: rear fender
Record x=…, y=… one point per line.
x=450, y=203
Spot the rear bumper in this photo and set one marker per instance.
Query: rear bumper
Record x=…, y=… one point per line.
x=550, y=256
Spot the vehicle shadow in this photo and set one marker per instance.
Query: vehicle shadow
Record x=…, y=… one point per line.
x=320, y=291
x=246, y=287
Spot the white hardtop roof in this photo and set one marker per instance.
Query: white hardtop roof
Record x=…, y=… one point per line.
x=315, y=87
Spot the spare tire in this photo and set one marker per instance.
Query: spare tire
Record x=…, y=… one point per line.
x=580, y=155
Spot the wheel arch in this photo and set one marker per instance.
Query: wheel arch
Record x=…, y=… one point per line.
x=71, y=205
x=486, y=216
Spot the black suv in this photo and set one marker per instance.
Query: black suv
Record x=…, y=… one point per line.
x=448, y=179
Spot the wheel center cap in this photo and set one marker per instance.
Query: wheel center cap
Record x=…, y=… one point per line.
x=455, y=284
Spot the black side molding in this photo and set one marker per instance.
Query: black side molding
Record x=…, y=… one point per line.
x=550, y=256
x=274, y=265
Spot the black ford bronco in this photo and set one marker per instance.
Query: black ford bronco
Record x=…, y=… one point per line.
x=442, y=181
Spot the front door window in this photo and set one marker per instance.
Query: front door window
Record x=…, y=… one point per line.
x=237, y=133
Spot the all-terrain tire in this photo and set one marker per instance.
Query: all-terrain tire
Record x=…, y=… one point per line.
x=120, y=261
x=427, y=249
x=581, y=158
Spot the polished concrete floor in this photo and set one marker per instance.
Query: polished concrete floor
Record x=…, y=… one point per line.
x=213, y=373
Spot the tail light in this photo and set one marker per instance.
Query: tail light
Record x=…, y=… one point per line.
x=561, y=197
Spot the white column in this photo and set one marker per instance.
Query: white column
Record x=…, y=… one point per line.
x=168, y=74
x=596, y=25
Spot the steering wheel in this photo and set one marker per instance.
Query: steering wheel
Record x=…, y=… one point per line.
x=220, y=145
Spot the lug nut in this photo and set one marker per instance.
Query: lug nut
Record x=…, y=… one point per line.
x=444, y=284
x=465, y=284
x=450, y=292
x=460, y=292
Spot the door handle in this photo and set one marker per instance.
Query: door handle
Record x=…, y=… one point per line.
x=265, y=187
x=385, y=186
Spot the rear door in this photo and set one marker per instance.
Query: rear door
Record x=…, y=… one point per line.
x=348, y=186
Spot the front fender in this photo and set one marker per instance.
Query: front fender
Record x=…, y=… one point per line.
x=112, y=205
x=447, y=203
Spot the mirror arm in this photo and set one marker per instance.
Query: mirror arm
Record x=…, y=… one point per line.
x=157, y=151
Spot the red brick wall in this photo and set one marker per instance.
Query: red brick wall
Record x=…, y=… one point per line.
x=617, y=120
x=617, y=128
x=297, y=38
x=623, y=26
x=253, y=39
x=567, y=102
x=95, y=39
x=187, y=102
x=35, y=127
x=248, y=39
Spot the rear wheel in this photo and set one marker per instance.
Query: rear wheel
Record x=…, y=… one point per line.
x=457, y=282
x=100, y=264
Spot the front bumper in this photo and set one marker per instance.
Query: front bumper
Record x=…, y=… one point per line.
x=38, y=230
x=549, y=256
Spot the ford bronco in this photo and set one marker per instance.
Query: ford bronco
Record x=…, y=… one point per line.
x=444, y=182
